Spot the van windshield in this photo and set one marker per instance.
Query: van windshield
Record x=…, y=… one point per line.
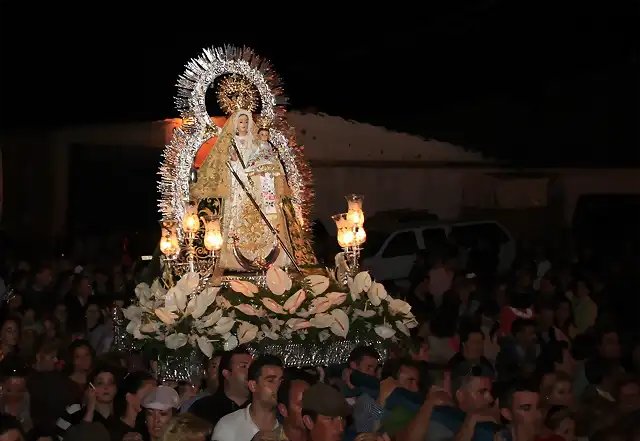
x=375, y=240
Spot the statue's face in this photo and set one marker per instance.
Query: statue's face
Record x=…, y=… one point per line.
x=264, y=135
x=243, y=124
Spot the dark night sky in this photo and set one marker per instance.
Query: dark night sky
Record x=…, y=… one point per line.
x=535, y=81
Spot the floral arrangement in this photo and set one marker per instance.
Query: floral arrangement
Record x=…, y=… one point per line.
x=168, y=316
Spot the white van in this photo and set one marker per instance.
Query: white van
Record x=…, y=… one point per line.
x=389, y=254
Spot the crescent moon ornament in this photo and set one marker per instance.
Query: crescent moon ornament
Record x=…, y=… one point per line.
x=259, y=264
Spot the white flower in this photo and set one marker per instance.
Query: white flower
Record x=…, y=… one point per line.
x=205, y=346
x=397, y=306
x=317, y=284
x=150, y=328
x=337, y=298
x=230, y=342
x=321, y=320
x=293, y=303
x=223, y=303
x=158, y=290
x=199, y=303
x=410, y=322
x=320, y=305
x=176, y=341
x=303, y=313
x=376, y=293
x=323, y=335
x=188, y=283
x=272, y=305
x=209, y=320
x=144, y=295
x=247, y=309
x=278, y=281
x=245, y=288
x=402, y=328
x=133, y=328
x=224, y=325
x=384, y=331
x=296, y=324
x=362, y=282
x=340, y=325
x=133, y=312
x=269, y=333
x=275, y=323
x=247, y=332
x=176, y=300
x=167, y=317
x=361, y=313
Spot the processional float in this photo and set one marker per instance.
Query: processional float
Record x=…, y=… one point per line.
x=237, y=262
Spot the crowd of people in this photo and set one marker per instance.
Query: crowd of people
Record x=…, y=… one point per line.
x=545, y=353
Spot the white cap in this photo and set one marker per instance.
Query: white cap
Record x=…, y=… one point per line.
x=162, y=398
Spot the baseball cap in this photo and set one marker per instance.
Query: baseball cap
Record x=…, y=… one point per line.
x=162, y=398
x=325, y=400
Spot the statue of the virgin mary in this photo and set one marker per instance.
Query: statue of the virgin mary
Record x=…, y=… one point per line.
x=246, y=235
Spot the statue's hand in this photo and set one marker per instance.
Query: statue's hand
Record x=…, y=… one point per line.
x=234, y=156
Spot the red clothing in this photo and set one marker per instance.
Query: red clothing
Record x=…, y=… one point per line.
x=508, y=314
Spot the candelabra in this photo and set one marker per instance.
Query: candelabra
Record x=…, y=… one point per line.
x=351, y=233
x=191, y=222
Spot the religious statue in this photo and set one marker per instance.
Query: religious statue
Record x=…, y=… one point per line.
x=259, y=172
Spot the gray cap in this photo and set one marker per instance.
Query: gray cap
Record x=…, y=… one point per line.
x=162, y=398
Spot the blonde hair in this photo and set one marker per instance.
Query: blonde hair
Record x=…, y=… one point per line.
x=187, y=427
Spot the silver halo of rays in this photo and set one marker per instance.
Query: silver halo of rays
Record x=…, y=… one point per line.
x=197, y=127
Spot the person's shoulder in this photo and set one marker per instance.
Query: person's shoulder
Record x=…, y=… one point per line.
x=233, y=417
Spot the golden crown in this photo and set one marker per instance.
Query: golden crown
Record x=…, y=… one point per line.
x=236, y=92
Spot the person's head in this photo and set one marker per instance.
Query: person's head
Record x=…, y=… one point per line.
x=406, y=373
x=93, y=313
x=548, y=285
x=627, y=394
x=242, y=123
x=44, y=276
x=364, y=359
x=564, y=314
x=472, y=343
x=131, y=391
x=187, y=427
x=471, y=387
x=560, y=391
x=14, y=380
x=608, y=342
x=545, y=316
x=81, y=286
x=10, y=332
x=160, y=405
x=81, y=357
x=49, y=327
x=560, y=420
x=324, y=410
x=46, y=357
x=290, y=394
x=581, y=288
x=60, y=313
x=524, y=331
x=212, y=371
x=104, y=380
x=263, y=134
x=10, y=429
x=519, y=406
x=264, y=378
x=234, y=368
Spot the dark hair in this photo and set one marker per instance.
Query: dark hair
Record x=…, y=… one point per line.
x=225, y=361
x=291, y=375
x=520, y=324
x=130, y=384
x=363, y=351
x=7, y=423
x=506, y=398
x=68, y=363
x=465, y=371
x=255, y=370
x=466, y=331
x=101, y=369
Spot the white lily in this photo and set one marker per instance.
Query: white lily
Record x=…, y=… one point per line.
x=205, y=346
x=144, y=295
x=188, y=283
x=340, y=325
x=336, y=298
x=377, y=293
x=158, y=290
x=321, y=321
x=296, y=324
x=293, y=303
x=210, y=320
x=320, y=305
x=176, y=341
x=133, y=328
x=402, y=328
x=272, y=305
x=199, y=303
x=133, y=312
x=247, y=309
x=247, y=332
x=385, y=331
x=278, y=281
x=175, y=300
x=397, y=306
x=230, y=342
x=224, y=325
x=167, y=317
x=318, y=284
x=362, y=313
x=149, y=328
x=243, y=287
x=362, y=282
